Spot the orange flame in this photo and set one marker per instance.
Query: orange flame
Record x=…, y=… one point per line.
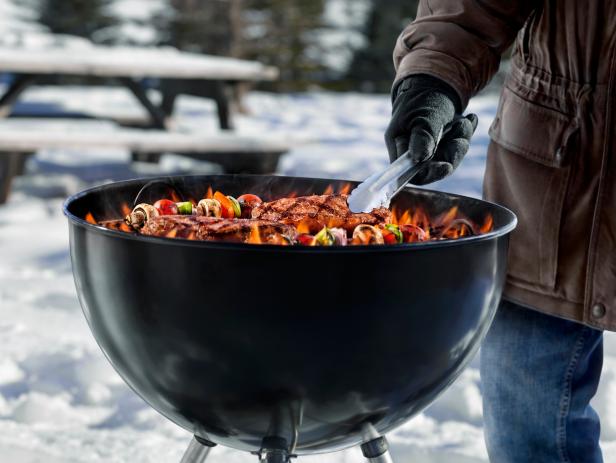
x=174, y=197
x=488, y=224
x=125, y=209
x=90, y=218
x=210, y=193
x=172, y=233
x=333, y=222
x=278, y=239
x=346, y=189
x=448, y=217
x=419, y=218
x=255, y=235
x=303, y=228
x=329, y=190
x=192, y=236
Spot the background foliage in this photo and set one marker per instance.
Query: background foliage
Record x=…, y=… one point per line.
x=338, y=44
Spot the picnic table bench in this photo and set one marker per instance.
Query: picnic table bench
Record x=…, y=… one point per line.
x=173, y=73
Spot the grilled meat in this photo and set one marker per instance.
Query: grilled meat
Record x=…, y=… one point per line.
x=216, y=229
x=316, y=212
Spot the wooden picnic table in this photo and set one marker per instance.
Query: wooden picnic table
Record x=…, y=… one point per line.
x=178, y=72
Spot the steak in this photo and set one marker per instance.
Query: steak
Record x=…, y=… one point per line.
x=312, y=213
x=215, y=229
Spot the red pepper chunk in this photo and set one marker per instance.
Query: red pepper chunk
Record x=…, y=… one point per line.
x=226, y=205
x=389, y=237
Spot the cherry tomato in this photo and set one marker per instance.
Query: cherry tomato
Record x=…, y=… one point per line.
x=413, y=233
x=305, y=239
x=248, y=203
x=227, y=206
x=166, y=207
x=249, y=199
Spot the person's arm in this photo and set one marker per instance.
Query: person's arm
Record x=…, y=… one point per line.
x=460, y=42
x=442, y=59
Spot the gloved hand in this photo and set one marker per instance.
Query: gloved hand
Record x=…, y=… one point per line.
x=425, y=120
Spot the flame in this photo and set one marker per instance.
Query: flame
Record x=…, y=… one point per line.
x=333, y=222
x=448, y=217
x=303, y=228
x=329, y=190
x=488, y=224
x=90, y=218
x=126, y=210
x=345, y=189
x=210, y=193
x=174, y=197
x=192, y=236
x=278, y=239
x=172, y=233
x=255, y=235
x=291, y=195
x=418, y=217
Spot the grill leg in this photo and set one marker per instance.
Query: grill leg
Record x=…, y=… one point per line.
x=197, y=451
x=274, y=450
x=377, y=450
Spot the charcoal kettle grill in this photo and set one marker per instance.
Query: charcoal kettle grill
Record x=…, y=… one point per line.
x=284, y=351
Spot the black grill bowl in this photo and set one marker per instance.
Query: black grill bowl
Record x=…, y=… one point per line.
x=239, y=342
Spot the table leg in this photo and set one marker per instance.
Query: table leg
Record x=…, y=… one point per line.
x=21, y=82
x=8, y=169
x=222, y=103
x=158, y=116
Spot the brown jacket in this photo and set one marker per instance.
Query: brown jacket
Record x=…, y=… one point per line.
x=552, y=158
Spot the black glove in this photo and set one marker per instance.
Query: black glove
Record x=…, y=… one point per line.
x=425, y=120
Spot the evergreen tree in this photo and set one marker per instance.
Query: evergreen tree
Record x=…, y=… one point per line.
x=285, y=33
x=202, y=26
x=372, y=66
x=76, y=17
x=282, y=33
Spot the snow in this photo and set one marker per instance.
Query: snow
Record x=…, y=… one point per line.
x=61, y=402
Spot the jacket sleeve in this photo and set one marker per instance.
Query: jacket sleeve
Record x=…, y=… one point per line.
x=460, y=41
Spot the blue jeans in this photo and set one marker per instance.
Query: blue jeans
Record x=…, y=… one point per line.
x=538, y=375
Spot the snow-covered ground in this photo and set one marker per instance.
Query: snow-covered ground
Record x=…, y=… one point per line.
x=61, y=402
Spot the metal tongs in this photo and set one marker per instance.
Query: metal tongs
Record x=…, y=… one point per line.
x=380, y=188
